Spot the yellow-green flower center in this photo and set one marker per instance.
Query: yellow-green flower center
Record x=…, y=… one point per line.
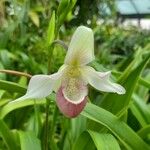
x=73, y=83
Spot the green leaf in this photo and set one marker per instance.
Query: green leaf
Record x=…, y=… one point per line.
x=141, y=80
x=19, y=104
x=117, y=104
x=78, y=125
x=51, y=30
x=121, y=130
x=16, y=105
x=140, y=110
x=84, y=142
x=34, y=17
x=144, y=83
x=65, y=7
x=29, y=141
x=11, y=87
x=73, y=130
x=3, y=101
x=35, y=123
x=62, y=6
x=104, y=141
x=101, y=141
x=8, y=136
x=144, y=132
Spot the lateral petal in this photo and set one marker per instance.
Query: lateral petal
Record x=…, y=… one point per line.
x=41, y=86
x=101, y=81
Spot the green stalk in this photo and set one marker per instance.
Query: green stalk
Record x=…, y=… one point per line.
x=47, y=125
x=50, y=57
x=48, y=135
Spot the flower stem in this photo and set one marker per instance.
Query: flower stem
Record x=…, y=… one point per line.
x=61, y=43
x=50, y=63
x=47, y=125
x=17, y=73
x=51, y=48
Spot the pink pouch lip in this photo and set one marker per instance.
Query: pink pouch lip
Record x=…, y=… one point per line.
x=69, y=109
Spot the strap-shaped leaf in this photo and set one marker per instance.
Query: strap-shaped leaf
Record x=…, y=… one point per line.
x=121, y=130
x=51, y=30
x=8, y=137
x=104, y=141
x=12, y=87
x=140, y=110
x=144, y=132
x=16, y=105
x=29, y=141
x=101, y=141
x=84, y=142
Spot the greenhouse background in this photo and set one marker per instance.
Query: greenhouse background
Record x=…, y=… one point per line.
x=74, y=75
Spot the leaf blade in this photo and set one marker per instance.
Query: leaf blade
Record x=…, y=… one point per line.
x=7, y=136
x=104, y=141
x=118, y=127
x=29, y=141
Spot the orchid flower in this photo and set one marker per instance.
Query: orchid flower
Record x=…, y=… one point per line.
x=71, y=80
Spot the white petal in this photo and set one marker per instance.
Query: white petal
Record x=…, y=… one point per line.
x=100, y=81
x=81, y=48
x=41, y=86
x=74, y=90
x=58, y=82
